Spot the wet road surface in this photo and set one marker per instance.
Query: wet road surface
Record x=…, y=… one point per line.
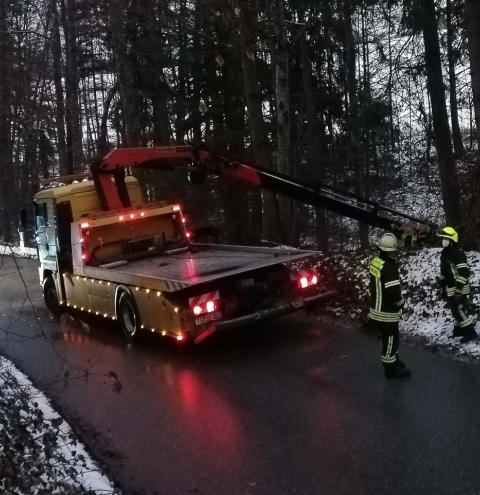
x=291, y=407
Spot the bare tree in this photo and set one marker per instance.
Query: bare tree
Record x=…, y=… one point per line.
x=443, y=142
x=452, y=79
x=472, y=21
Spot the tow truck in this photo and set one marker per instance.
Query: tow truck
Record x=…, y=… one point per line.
x=103, y=250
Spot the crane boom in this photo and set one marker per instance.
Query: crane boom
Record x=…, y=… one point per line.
x=201, y=161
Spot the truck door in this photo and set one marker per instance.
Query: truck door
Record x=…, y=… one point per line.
x=64, y=241
x=41, y=239
x=46, y=232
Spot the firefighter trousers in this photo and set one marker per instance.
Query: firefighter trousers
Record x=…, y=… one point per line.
x=390, y=339
x=460, y=309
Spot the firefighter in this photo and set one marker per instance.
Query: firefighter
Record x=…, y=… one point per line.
x=386, y=304
x=455, y=280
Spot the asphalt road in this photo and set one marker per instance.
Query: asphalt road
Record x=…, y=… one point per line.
x=292, y=407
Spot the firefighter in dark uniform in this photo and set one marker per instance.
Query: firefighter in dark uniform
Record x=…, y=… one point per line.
x=455, y=280
x=386, y=304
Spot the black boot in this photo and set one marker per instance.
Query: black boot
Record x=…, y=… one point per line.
x=468, y=336
x=400, y=363
x=395, y=370
x=457, y=332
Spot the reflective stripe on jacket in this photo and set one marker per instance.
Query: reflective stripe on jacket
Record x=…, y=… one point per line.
x=385, y=295
x=455, y=271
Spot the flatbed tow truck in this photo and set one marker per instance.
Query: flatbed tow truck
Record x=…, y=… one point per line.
x=104, y=251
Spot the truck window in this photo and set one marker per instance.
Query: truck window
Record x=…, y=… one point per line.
x=41, y=216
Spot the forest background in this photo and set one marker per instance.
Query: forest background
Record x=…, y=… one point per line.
x=379, y=98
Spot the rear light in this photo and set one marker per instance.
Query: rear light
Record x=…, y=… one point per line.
x=207, y=303
x=179, y=338
x=307, y=278
x=210, y=306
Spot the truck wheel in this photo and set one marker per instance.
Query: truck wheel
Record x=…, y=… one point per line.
x=50, y=296
x=127, y=315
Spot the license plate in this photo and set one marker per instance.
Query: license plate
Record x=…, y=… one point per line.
x=206, y=318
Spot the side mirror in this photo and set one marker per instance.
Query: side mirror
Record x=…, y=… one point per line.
x=23, y=219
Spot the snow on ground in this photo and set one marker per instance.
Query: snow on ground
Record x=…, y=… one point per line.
x=39, y=453
x=425, y=314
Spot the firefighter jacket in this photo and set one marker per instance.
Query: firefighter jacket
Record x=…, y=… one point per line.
x=454, y=271
x=385, y=296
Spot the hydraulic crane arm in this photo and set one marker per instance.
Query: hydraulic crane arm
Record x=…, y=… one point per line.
x=200, y=161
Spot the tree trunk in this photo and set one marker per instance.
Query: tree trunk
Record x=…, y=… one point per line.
x=472, y=21
x=118, y=18
x=72, y=106
x=353, y=152
x=65, y=168
x=317, y=150
x=5, y=168
x=443, y=143
x=282, y=93
x=457, y=135
x=268, y=221
x=103, y=145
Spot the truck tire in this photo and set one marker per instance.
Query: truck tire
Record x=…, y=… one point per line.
x=50, y=296
x=127, y=315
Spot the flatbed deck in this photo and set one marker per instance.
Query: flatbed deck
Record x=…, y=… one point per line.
x=200, y=264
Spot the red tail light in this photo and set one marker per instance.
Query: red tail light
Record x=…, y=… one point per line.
x=210, y=306
x=204, y=304
x=306, y=278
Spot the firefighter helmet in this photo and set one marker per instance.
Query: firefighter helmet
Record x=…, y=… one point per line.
x=388, y=242
x=449, y=233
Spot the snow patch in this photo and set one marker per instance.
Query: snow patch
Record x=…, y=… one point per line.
x=38, y=450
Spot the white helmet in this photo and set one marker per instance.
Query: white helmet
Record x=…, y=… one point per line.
x=388, y=242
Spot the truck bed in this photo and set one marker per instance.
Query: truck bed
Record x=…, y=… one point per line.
x=202, y=263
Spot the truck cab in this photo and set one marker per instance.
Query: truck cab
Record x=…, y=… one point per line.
x=55, y=209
